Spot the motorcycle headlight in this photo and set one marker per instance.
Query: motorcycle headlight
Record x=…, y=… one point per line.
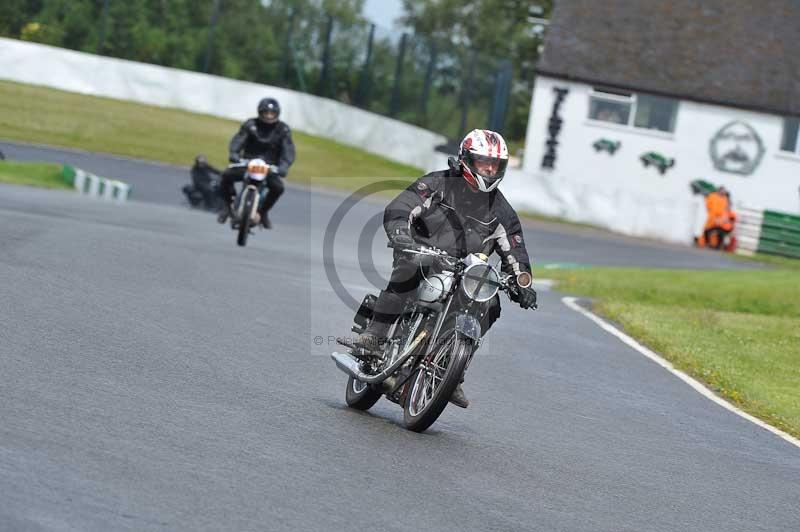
x=257, y=169
x=480, y=282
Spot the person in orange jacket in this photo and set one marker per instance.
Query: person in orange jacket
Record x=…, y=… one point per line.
x=719, y=222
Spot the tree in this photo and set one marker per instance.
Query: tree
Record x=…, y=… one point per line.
x=16, y=14
x=481, y=33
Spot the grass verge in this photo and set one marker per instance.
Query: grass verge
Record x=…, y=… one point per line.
x=44, y=175
x=41, y=115
x=736, y=331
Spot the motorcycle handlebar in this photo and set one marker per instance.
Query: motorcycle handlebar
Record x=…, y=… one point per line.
x=418, y=248
x=508, y=281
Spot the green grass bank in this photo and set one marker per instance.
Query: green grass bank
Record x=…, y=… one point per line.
x=41, y=115
x=44, y=175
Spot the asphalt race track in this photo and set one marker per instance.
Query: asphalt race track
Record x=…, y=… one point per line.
x=154, y=376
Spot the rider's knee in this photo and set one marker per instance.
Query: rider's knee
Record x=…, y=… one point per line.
x=276, y=186
x=405, y=278
x=489, y=314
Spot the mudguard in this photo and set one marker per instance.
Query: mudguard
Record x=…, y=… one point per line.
x=468, y=327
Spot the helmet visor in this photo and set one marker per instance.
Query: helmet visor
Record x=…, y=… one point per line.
x=489, y=168
x=268, y=116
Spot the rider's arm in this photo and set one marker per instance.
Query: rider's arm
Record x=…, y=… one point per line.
x=509, y=242
x=409, y=204
x=238, y=140
x=287, y=152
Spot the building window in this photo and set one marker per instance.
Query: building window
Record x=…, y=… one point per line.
x=653, y=112
x=791, y=140
x=610, y=107
x=638, y=110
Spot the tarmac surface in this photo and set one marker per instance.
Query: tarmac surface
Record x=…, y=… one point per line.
x=154, y=376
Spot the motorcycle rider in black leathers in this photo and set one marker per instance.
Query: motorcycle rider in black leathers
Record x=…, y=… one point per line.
x=264, y=137
x=460, y=211
x=204, y=180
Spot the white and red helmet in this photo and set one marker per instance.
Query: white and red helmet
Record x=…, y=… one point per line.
x=483, y=156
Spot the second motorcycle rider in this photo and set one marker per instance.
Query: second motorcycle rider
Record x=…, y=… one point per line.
x=264, y=137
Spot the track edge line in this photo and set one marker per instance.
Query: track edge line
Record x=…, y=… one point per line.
x=698, y=386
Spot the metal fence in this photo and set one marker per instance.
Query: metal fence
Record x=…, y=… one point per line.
x=292, y=44
x=391, y=73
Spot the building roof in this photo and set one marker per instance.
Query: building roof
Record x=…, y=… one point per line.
x=743, y=53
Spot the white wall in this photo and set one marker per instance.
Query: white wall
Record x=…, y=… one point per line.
x=619, y=193
x=168, y=87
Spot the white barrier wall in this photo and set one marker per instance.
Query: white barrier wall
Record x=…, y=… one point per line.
x=168, y=87
x=618, y=192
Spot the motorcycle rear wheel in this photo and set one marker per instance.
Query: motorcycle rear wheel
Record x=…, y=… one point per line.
x=360, y=395
x=432, y=384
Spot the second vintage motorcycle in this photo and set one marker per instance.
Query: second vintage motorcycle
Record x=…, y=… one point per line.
x=246, y=209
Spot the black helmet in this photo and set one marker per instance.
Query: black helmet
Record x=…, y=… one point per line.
x=269, y=110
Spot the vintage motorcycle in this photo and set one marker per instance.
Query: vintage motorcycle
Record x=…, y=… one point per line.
x=430, y=346
x=246, y=210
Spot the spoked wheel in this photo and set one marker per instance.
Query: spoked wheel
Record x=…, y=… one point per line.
x=360, y=395
x=433, y=382
x=244, y=223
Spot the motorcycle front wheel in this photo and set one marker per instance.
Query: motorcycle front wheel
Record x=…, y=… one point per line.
x=244, y=223
x=434, y=381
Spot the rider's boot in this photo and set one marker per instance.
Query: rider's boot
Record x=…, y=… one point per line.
x=388, y=306
x=459, y=398
x=224, y=212
x=265, y=223
x=370, y=340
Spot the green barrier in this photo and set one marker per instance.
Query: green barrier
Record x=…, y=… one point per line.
x=92, y=185
x=789, y=238
x=68, y=174
x=778, y=248
x=780, y=234
x=783, y=218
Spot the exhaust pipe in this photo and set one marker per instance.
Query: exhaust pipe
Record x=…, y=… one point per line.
x=351, y=366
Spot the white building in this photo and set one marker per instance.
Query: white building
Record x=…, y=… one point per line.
x=635, y=99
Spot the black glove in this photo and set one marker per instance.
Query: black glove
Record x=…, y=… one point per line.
x=401, y=238
x=525, y=297
x=234, y=158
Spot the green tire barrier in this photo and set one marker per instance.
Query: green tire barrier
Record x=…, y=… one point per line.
x=770, y=232
x=97, y=187
x=68, y=174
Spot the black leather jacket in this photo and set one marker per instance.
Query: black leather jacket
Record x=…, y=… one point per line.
x=271, y=142
x=441, y=211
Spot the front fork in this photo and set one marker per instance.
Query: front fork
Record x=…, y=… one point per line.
x=254, y=215
x=466, y=327
x=469, y=328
